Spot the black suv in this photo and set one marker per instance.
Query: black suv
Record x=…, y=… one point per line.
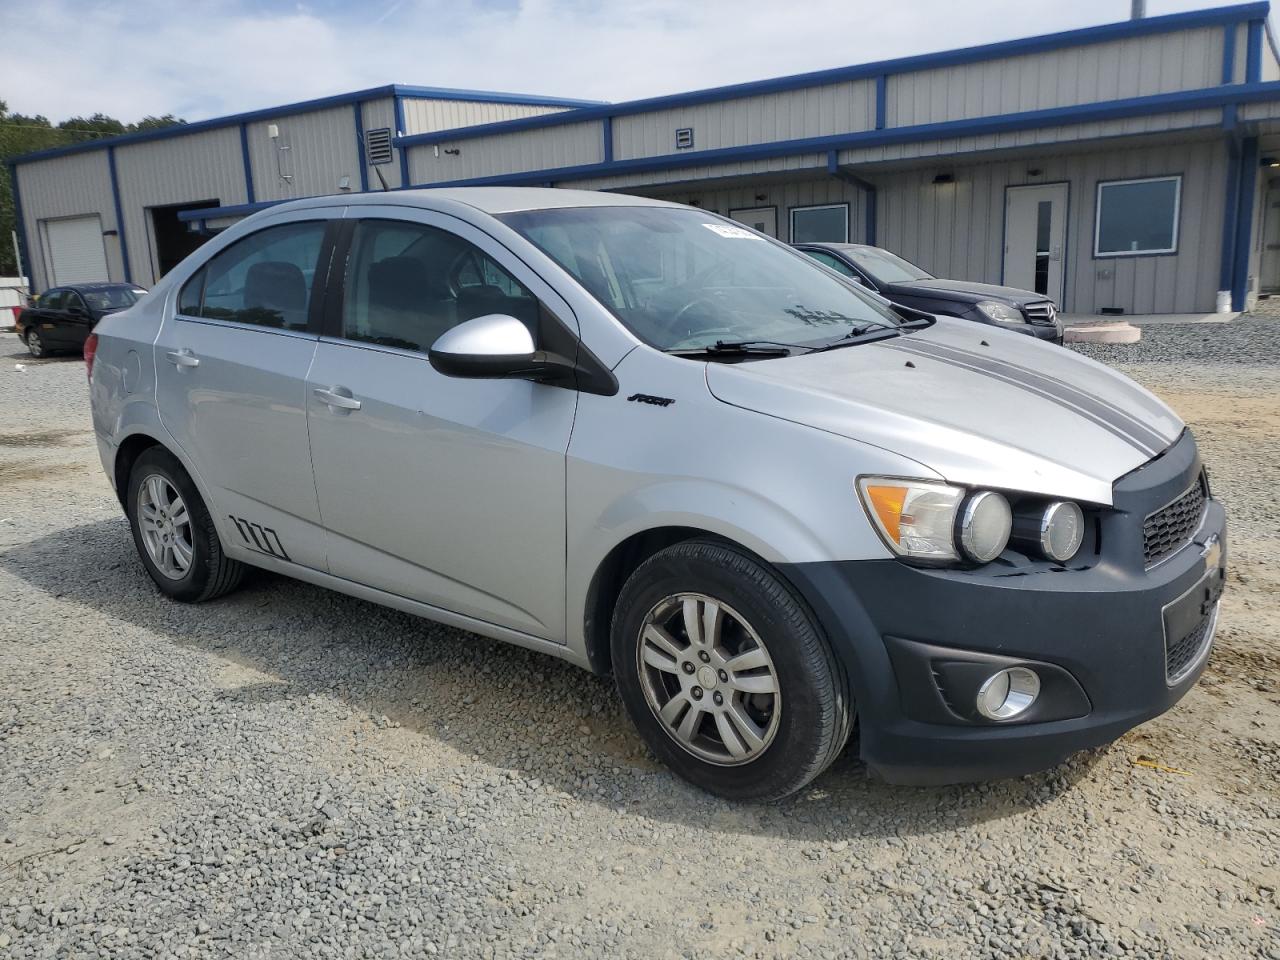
x=906, y=284
x=62, y=317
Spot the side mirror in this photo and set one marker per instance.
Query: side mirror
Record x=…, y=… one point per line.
x=495, y=346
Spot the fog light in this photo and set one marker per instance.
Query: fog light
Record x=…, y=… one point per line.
x=1008, y=694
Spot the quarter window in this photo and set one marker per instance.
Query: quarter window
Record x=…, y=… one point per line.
x=264, y=279
x=407, y=283
x=823, y=224
x=1136, y=217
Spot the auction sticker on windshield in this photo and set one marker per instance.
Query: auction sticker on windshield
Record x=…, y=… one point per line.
x=733, y=233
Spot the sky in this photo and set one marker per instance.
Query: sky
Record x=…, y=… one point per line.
x=207, y=58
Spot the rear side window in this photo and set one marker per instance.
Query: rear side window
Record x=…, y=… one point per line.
x=264, y=279
x=407, y=283
x=827, y=260
x=51, y=299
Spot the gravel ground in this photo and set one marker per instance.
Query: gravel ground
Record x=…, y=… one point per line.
x=289, y=772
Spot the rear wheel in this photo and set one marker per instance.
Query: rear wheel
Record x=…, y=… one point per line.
x=35, y=346
x=726, y=674
x=174, y=532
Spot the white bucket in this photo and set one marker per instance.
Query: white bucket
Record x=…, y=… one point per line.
x=1224, y=301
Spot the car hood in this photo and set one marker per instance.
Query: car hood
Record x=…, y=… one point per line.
x=976, y=405
x=965, y=291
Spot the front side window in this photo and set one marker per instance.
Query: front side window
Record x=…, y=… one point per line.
x=824, y=224
x=682, y=279
x=827, y=260
x=407, y=283
x=1136, y=217
x=264, y=279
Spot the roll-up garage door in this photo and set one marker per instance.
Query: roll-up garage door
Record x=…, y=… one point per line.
x=76, y=251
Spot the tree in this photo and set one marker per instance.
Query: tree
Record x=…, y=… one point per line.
x=20, y=134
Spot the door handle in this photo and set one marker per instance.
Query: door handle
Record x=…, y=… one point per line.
x=183, y=358
x=337, y=400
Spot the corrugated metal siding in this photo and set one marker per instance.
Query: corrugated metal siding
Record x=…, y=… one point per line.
x=322, y=149
x=202, y=166
x=810, y=112
x=427, y=116
x=1072, y=133
x=538, y=149
x=377, y=114
x=773, y=165
x=69, y=186
x=1241, y=53
x=1184, y=60
x=957, y=229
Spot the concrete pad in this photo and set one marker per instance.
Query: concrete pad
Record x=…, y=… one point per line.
x=1145, y=319
x=1102, y=333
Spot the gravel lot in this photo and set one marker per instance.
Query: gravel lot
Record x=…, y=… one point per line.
x=289, y=772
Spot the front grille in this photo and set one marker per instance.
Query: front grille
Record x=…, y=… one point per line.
x=1181, y=656
x=1042, y=313
x=1166, y=530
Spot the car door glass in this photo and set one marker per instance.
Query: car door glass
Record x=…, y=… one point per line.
x=264, y=279
x=52, y=300
x=407, y=283
x=74, y=303
x=827, y=260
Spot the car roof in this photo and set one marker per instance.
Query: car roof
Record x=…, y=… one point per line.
x=828, y=245
x=97, y=285
x=491, y=200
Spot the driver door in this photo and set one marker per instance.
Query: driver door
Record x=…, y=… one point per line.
x=446, y=491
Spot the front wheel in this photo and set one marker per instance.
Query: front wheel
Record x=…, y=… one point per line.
x=174, y=532
x=726, y=674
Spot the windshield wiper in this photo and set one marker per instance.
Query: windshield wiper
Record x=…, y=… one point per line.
x=861, y=335
x=730, y=349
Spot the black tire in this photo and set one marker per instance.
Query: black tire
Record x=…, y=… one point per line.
x=211, y=573
x=35, y=345
x=817, y=710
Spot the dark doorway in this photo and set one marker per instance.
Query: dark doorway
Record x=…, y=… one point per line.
x=174, y=238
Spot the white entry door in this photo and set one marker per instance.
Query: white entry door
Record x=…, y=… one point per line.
x=75, y=250
x=1035, y=238
x=764, y=219
x=1269, y=274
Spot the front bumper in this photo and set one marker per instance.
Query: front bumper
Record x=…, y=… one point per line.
x=917, y=643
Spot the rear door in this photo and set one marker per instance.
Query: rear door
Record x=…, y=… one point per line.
x=446, y=491
x=76, y=320
x=231, y=369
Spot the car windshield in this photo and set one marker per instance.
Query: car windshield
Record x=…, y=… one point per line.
x=682, y=279
x=885, y=267
x=111, y=298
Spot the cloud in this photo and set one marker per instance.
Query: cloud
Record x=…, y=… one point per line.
x=203, y=59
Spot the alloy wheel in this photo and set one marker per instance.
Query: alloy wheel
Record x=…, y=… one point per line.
x=165, y=524
x=708, y=678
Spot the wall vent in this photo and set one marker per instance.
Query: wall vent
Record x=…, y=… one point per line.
x=377, y=144
x=684, y=138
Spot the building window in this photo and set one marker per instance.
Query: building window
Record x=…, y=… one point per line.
x=825, y=224
x=1137, y=217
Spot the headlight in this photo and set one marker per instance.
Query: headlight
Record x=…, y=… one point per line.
x=985, y=523
x=1000, y=312
x=916, y=518
x=1055, y=531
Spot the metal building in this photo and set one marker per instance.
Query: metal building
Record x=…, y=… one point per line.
x=1123, y=168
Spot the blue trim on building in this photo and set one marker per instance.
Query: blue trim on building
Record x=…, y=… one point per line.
x=1053, y=41
x=606, y=131
x=1229, y=52
x=248, y=165
x=1230, y=211
x=309, y=106
x=1187, y=100
x=1244, y=223
x=1253, y=53
x=26, y=267
x=404, y=154
x=120, y=230
x=882, y=100
x=357, y=110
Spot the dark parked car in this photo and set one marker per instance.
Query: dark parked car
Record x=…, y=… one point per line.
x=61, y=317
x=906, y=284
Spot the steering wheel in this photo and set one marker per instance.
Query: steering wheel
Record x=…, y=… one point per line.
x=680, y=314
